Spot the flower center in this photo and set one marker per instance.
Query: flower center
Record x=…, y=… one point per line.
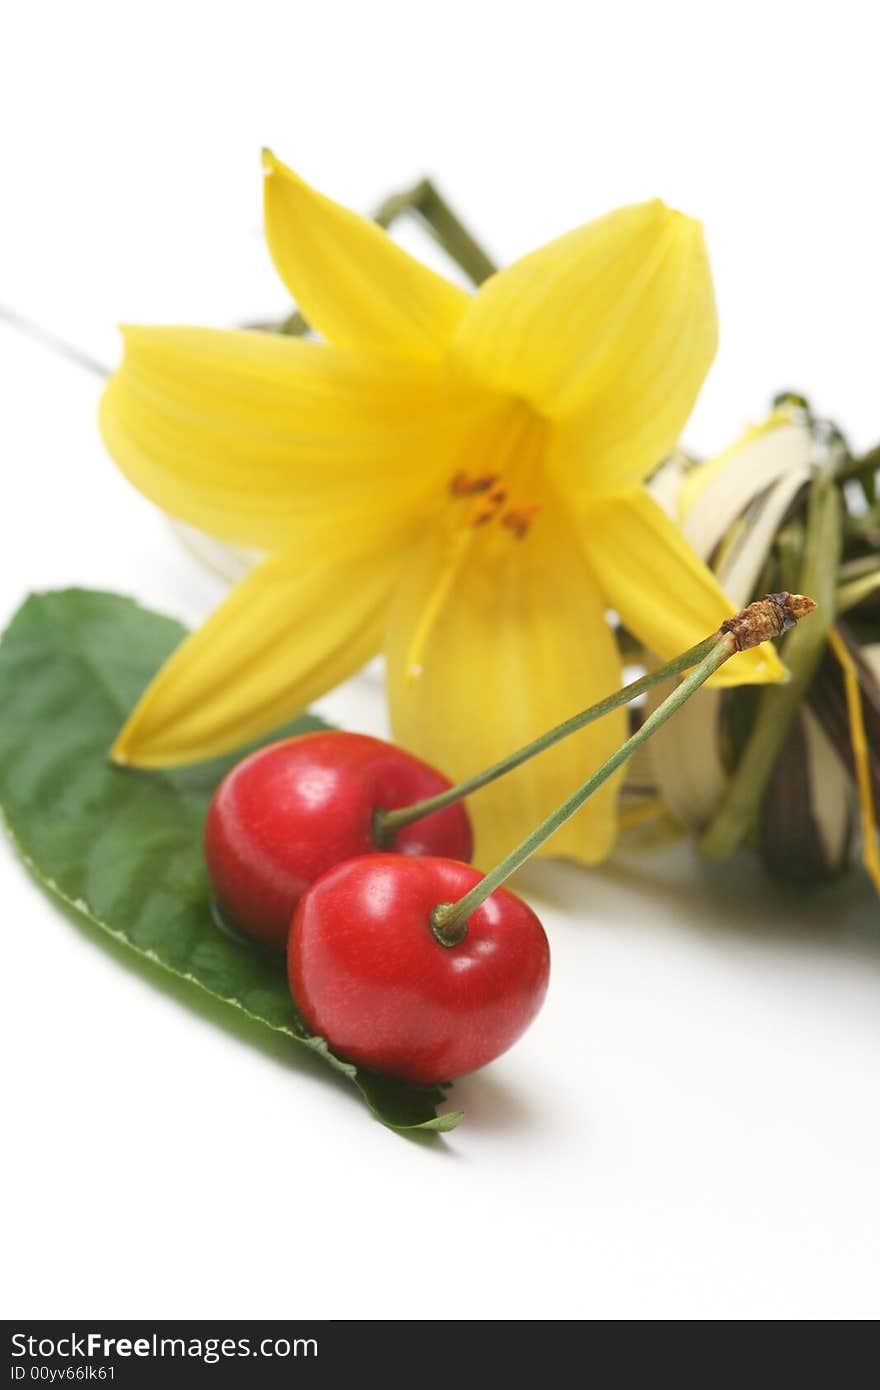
x=491, y=503
x=503, y=499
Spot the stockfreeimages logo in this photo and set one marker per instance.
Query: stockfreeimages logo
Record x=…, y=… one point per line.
x=28, y=1351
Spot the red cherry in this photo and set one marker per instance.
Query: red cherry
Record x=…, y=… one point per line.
x=368, y=974
x=292, y=810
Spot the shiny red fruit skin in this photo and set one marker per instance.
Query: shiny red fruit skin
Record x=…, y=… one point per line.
x=287, y=813
x=368, y=975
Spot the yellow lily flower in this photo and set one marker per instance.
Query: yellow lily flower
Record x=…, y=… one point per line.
x=455, y=478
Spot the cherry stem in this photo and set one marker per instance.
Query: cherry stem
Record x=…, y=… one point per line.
x=386, y=824
x=767, y=618
x=449, y=920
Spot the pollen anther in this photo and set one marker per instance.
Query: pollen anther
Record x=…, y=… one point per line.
x=489, y=509
x=519, y=519
x=463, y=485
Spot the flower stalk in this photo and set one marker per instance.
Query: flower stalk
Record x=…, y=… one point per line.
x=866, y=464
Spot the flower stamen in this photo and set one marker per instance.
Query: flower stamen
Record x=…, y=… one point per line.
x=459, y=544
x=519, y=519
x=488, y=510
x=463, y=485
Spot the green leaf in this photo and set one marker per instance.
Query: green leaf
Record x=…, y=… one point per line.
x=123, y=849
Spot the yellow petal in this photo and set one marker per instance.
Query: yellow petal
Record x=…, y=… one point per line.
x=286, y=634
x=609, y=332
x=661, y=590
x=251, y=436
x=518, y=644
x=351, y=281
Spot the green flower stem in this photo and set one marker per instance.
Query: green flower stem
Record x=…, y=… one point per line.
x=863, y=529
x=866, y=463
x=386, y=824
x=449, y=920
x=450, y=233
x=428, y=204
x=852, y=594
x=857, y=569
x=295, y=325
x=779, y=704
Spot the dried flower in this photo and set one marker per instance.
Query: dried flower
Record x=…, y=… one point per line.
x=796, y=769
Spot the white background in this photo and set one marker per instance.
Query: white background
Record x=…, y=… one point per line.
x=691, y=1129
